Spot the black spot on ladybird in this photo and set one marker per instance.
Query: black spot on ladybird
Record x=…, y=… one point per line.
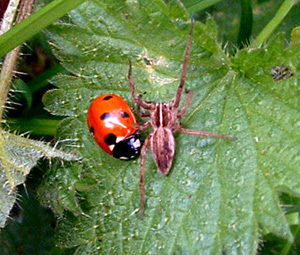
x=107, y=98
x=105, y=116
x=92, y=130
x=110, y=139
x=124, y=114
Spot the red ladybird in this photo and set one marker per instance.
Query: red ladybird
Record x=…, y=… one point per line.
x=112, y=123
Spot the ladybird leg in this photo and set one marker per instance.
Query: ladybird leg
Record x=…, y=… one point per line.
x=186, y=105
x=135, y=97
x=204, y=133
x=142, y=173
x=184, y=67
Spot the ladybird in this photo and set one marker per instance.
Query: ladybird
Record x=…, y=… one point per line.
x=114, y=127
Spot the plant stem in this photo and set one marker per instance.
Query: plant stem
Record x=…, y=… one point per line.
x=35, y=23
x=9, y=16
x=42, y=80
x=246, y=22
x=198, y=6
x=274, y=23
x=10, y=59
x=6, y=74
x=288, y=245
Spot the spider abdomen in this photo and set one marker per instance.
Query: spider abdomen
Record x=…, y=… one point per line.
x=163, y=149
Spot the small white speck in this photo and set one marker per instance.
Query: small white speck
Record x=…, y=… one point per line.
x=134, y=212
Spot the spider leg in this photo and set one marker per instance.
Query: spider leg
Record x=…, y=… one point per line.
x=204, y=133
x=186, y=105
x=142, y=173
x=142, y=114
x=135, y=96
x=142, y=126
x=184, y=67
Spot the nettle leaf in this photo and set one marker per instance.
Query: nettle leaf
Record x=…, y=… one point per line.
x=17, y=156
x=221, y=195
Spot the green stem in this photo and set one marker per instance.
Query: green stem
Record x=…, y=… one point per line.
x=246, y=23
x=274, y=23
x=35, y=23
x=199, y=6
x=9, y=16
x=6, y=74
x=10, y=60
x=42, y=80
x=286, y=249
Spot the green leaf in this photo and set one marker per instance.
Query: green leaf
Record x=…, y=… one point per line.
x=220, y=194
x=17, y=156
x=295, y=35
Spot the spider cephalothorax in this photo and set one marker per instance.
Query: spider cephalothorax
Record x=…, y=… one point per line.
x=164, y=119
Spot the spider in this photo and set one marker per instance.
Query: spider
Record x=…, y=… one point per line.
x=164, y=120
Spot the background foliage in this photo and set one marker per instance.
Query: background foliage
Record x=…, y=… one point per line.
x=221, y=196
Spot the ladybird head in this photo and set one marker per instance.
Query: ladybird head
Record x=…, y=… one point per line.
x=128, y=148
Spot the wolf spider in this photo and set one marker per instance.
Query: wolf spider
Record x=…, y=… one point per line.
x=164, y=120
